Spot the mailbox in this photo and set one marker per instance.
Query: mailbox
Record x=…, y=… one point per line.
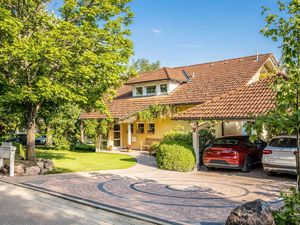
x=7, y=151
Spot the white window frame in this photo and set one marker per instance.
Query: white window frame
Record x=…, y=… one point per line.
x=136, y=90
x=159, y=88
x=151, y=86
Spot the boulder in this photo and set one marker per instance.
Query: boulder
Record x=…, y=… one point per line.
x=257, y=212
x=32, y=170
x=19, y=169
x=40, y=164
x=49, y=165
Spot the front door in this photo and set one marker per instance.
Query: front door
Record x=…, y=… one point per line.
x=117, y=136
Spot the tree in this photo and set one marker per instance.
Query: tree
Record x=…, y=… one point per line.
x=144, y=65
x=61, y=123
x=286, y=115
x=77, y=57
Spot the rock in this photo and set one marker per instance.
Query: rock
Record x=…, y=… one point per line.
x=49, y=165
x=32, y=170
x=257, y=212
x=19, y=169
x=43, y=171
x=4, y=170
x=40, y=164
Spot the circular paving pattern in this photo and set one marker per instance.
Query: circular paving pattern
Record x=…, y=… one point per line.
x=208, y=194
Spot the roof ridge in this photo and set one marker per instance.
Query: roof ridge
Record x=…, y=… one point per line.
x=223, y=60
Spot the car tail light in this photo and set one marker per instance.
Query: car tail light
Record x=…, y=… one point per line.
x=267, y=152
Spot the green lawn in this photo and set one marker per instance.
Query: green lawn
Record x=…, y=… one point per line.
x=76, y=161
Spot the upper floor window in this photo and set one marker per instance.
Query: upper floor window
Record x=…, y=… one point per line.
x=139, y=91
x=151, y=90
x=163, y=88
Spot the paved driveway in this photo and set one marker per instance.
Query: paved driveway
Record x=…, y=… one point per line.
x=202, y=197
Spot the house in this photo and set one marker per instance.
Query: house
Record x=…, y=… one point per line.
x=184, y=88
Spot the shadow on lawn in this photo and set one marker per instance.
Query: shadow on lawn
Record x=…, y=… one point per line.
x=53, y=155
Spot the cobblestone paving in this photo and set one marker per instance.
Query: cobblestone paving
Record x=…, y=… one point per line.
x=202, y=197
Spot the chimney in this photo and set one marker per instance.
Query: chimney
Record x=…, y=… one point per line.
x=256, y=55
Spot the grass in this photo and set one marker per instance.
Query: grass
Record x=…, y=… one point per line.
x=79, y=161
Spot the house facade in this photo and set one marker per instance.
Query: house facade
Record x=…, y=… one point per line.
x=184, y=89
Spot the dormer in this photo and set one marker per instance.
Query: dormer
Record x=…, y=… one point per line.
x=159, y=82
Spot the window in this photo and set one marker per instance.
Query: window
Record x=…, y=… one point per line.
x=140, y=128
x=139, y=91
x=151, y=128
x=226, y=141
x=163, y=88
x=284, y=142
x=151, y=90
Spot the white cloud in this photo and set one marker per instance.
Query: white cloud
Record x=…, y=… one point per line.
x=190, y=45
x=156, y=31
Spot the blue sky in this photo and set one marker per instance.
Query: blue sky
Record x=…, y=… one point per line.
x=184, y=32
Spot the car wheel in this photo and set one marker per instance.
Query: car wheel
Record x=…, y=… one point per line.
x=247, y=165
x=271, y=173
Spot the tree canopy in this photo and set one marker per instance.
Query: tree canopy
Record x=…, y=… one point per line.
x=285, y=29
x=145, y=65
x=79, y=56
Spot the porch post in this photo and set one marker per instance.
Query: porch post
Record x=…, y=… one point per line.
x=129, y=135
x=196, y=143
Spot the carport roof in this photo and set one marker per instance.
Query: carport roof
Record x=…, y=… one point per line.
x=243, y=103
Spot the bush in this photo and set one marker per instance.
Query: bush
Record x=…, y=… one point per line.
x=290, y=213
x=178, y=136
x=176, y=156
x=82, y=147
x=20, y=149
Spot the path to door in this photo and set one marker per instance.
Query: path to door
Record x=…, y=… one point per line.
x=193, y=198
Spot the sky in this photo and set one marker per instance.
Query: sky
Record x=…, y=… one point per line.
x=186, y=32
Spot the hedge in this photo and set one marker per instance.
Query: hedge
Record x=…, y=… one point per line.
x=176, y=157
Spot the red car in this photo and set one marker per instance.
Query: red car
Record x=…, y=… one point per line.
x=233, y=152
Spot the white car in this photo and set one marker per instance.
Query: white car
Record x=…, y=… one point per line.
x=280, y=155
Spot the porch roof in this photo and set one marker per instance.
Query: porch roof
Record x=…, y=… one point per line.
x=243, y=103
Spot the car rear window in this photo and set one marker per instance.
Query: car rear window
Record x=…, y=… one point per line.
x=226, y=141
x=284, y=142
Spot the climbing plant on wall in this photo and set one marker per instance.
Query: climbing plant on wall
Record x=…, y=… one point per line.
x=156, y=112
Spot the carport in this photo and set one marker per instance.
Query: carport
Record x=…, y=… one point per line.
x=234, y=108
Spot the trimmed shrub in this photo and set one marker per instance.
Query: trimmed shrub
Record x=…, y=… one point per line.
x=175, y=156
x=178, y=136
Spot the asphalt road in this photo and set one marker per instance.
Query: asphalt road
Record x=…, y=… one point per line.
x=22, y=206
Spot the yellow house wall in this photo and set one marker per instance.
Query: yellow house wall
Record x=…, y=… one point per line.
x=161, y=127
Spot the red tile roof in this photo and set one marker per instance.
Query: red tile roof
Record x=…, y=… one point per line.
x=161, y=74
x=243, y=103
x=207, y=81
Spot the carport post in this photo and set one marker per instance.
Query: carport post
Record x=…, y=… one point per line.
x=196, y=143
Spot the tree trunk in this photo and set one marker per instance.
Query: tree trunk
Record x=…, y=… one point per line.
x=30, y=128
x=49, y=141
x=82, y=137
x=98, y=142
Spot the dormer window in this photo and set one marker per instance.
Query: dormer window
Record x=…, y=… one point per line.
x=139, y=91
x=163, y=88
x=151, y=90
